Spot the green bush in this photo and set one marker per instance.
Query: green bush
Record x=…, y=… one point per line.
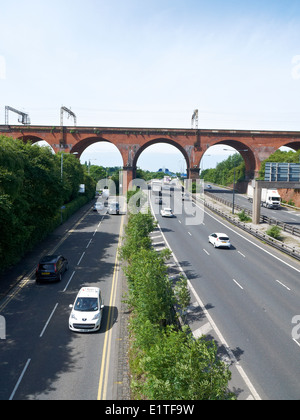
x=166, y=362
x=275, y=232
x=244, y=217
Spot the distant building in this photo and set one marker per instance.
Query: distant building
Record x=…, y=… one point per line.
x=166, y=171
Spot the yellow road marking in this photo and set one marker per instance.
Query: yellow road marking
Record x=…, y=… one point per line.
x=17, y=289
x=102, y=389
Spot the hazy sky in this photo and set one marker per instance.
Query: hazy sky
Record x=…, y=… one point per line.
x=135, y=63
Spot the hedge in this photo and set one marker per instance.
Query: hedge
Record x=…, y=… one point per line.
x=166, y=362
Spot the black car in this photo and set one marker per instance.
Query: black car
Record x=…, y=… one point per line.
x=51, y=268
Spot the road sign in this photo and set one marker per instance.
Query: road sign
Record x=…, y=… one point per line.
x=282, y=172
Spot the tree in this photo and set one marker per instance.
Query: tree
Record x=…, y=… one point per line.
x=32, y=193
x=224, y=172
x=137, y=234
x=166, y=362
x=182, y=295
x=178, y=367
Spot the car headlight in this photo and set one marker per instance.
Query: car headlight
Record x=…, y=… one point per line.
x=73, y=317
x=97, y=316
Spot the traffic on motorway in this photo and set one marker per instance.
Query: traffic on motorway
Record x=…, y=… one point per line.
x=279, y=212
x=249, y=296
x=61, y=317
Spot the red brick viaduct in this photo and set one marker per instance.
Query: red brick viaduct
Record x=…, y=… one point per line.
x=254, y=146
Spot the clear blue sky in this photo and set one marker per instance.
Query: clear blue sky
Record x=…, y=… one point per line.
x=150, y=63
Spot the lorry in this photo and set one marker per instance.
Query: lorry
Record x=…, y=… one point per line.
x=167, y=179
x=270, y=198
x=156, y=186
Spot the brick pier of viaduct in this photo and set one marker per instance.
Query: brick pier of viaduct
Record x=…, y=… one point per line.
x=254, y=146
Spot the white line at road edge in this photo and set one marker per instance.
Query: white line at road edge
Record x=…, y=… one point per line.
x=241, y=371
x=253, y=243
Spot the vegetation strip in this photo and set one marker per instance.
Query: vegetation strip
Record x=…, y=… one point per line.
x=166, y=361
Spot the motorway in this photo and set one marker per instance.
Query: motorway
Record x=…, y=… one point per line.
x=283, y=214
x=251, y=292
x=41, y=359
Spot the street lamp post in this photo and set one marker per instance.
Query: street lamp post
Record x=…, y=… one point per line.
x=233, y=191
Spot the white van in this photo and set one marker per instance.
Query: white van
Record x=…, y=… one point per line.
x=114, y=208
x=86, y=315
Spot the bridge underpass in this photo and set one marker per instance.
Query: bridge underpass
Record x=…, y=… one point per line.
x=258, y=186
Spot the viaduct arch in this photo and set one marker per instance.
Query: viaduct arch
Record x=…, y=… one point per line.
x=254, y=146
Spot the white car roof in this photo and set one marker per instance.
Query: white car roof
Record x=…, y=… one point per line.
x=88, y=292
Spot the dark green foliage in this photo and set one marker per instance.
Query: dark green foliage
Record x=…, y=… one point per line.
x=244, y=217
x=32, y=193
x=166, y=362
x=275, y=232
x=224, y=172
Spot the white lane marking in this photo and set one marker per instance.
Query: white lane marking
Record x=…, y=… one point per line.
x=69, y=281
x=253, y=243
x=81, y=258
x=283, y=285
x=238, y=284
x=242, y=254
x=298, y=344
x=206, y=251
x=19, y=380
x=49, y=319
x=204, y=330
x=241, y=371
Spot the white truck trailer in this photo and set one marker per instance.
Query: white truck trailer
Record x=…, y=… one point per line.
x=156, y=186
x=270, y=198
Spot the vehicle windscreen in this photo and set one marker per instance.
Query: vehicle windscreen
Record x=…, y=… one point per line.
x=86, y=304
x=46, y=267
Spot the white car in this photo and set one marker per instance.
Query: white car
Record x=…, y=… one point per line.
x=86, y=315
x=166, y=212
x=99, y=206
x=219, y=240
x=114, y=208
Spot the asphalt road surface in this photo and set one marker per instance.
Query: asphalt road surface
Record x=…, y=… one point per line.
x=283, y=214
x=40, y=357
x=251, y=292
